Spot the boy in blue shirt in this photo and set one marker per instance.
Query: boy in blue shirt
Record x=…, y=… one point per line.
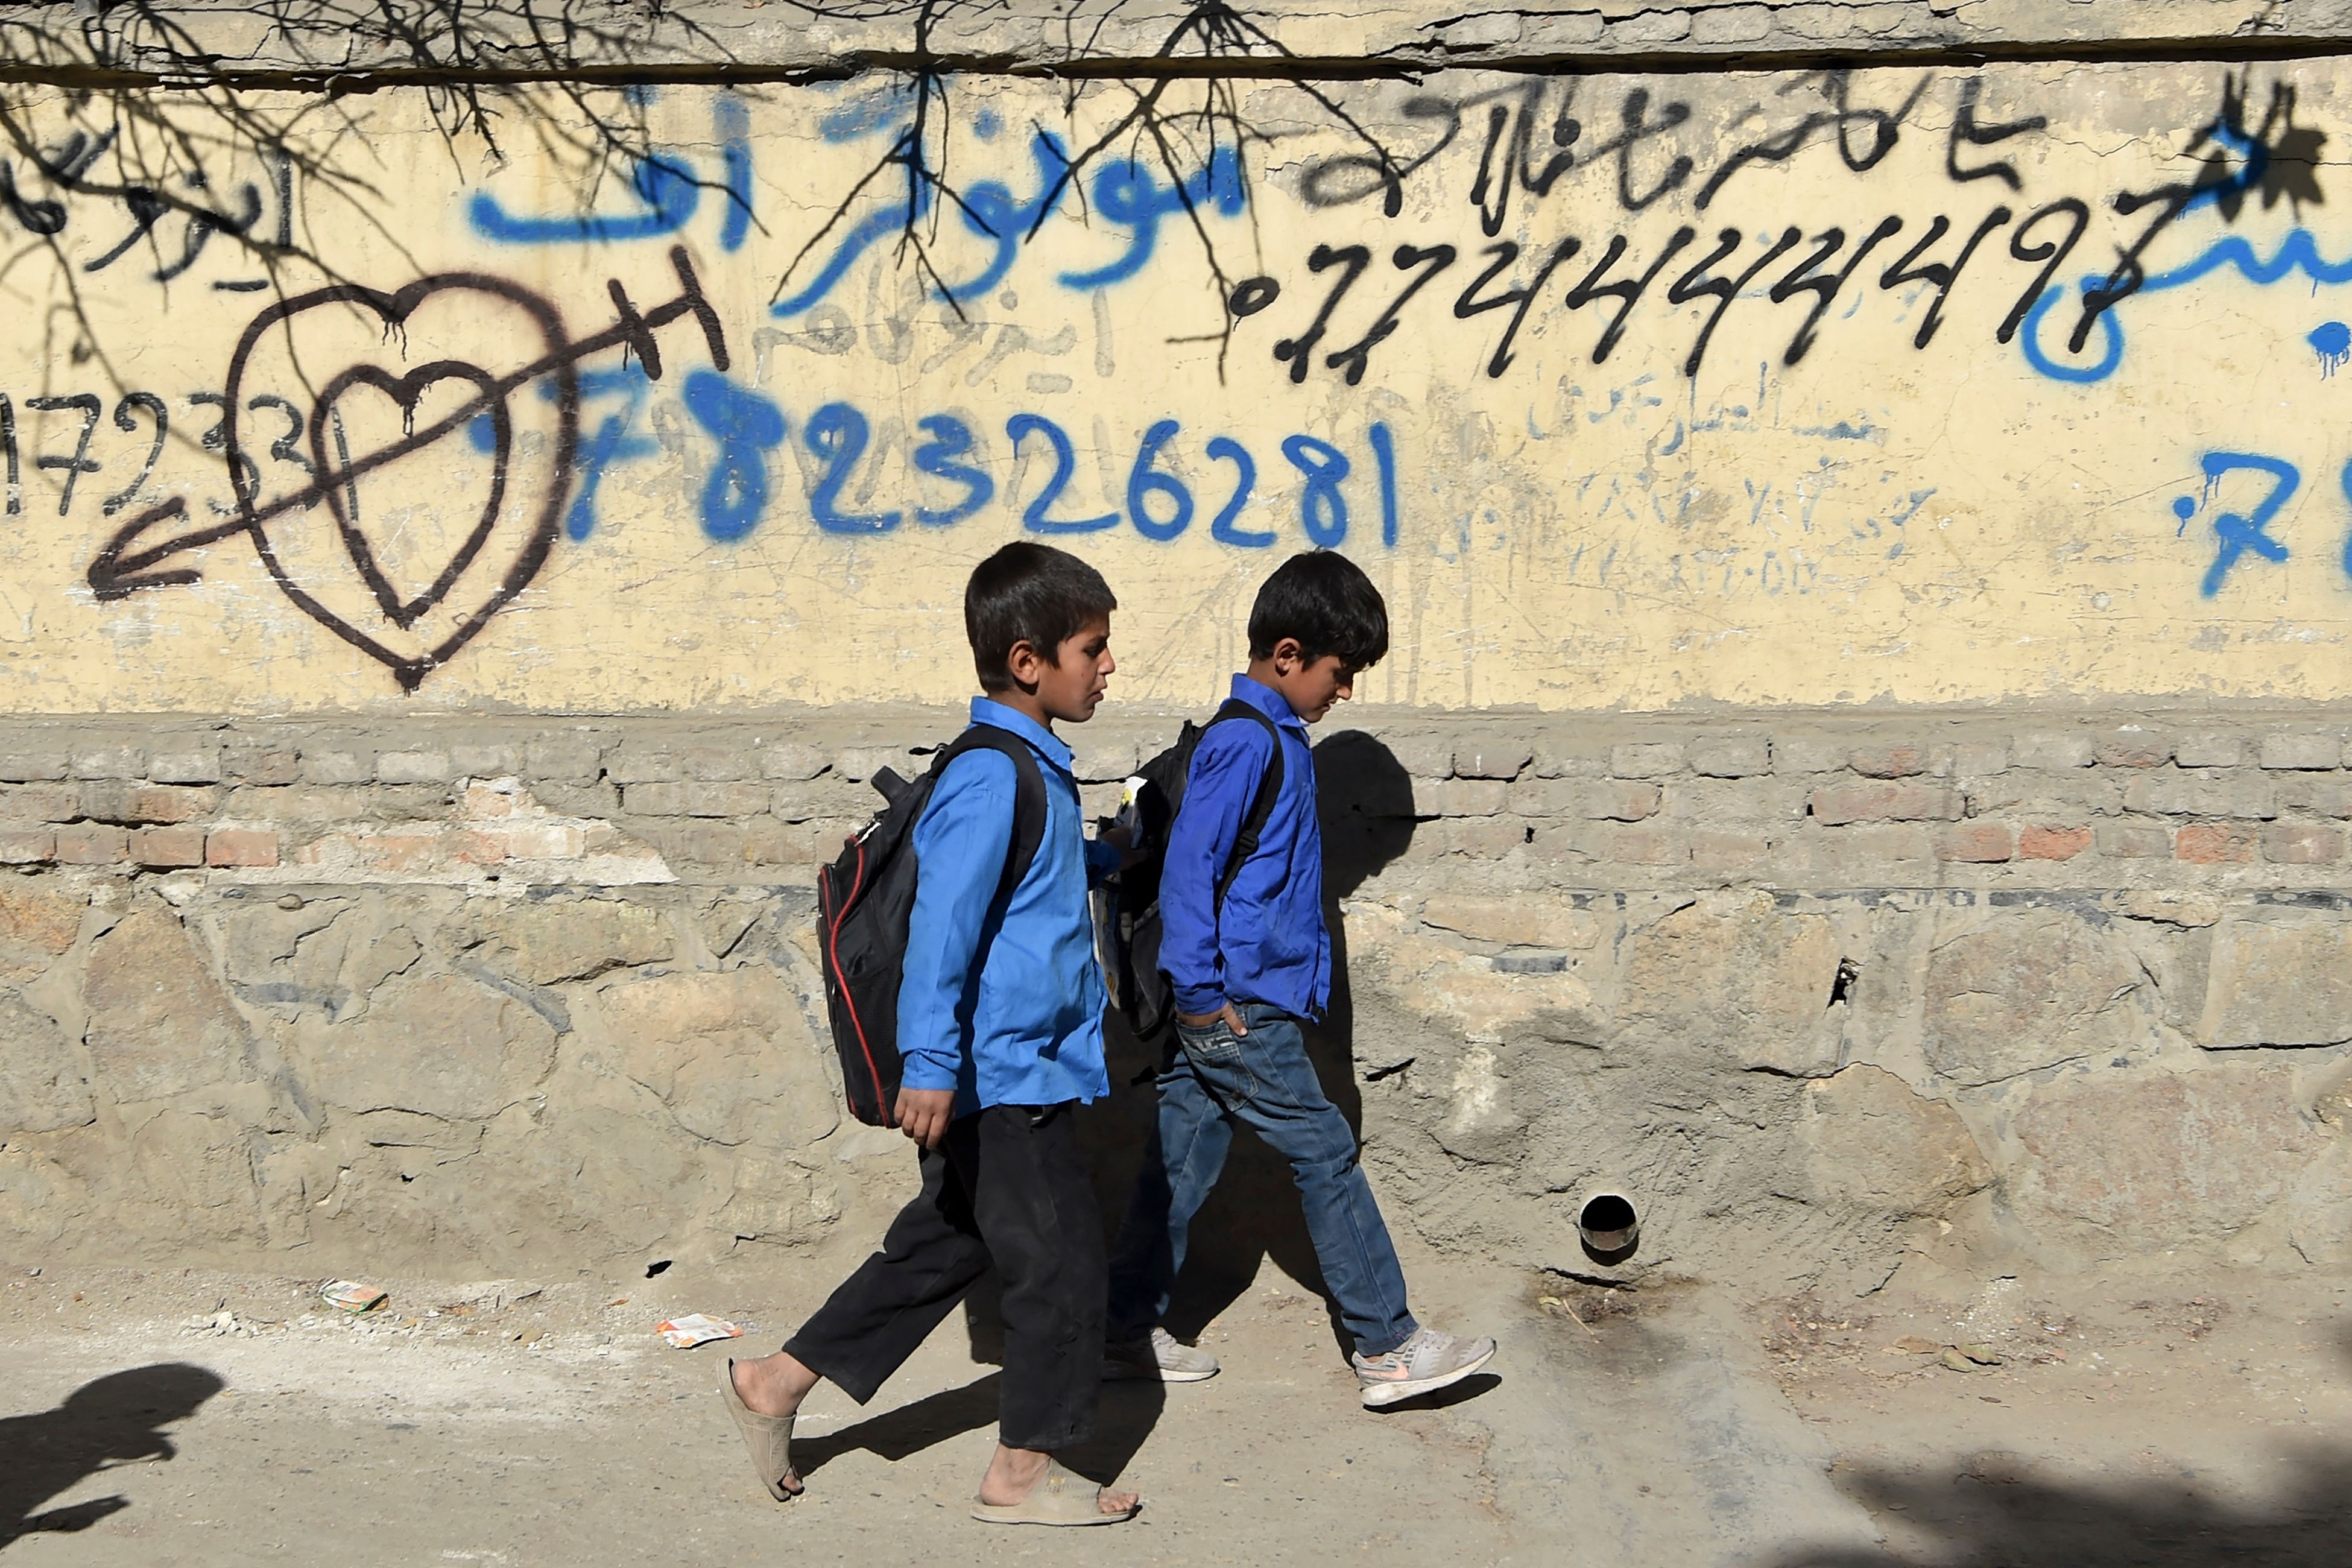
x=1248, y=956
x=999, y=1031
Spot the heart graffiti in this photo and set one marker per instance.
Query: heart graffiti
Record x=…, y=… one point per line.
x=508, y=552
x=338, y=481
x=405, y=391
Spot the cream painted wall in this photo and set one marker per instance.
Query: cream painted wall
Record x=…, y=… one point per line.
x=1821, y=511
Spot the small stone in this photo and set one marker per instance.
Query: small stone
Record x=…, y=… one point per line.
x=1912, y=1344
x=1982, y=1354
x=1955, y=1361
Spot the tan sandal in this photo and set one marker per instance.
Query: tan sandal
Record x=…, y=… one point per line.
x=1061, y=1497
x=769, y=1437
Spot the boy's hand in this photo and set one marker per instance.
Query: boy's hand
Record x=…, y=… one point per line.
x=1229, y=1015
x=924, y=1114
x=1122, y=839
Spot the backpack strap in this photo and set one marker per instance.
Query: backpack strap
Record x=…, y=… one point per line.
x=1269, y=788
x=1028, y=801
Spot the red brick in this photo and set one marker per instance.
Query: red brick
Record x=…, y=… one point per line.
x=41, y=802
x=1884, y=803
x=2301, y=844
x=1984, y=842
x=168, y=846
x=2214, y=844
x=26, y=845
x=2052, y=843
x=240, y=846
x=92, y=843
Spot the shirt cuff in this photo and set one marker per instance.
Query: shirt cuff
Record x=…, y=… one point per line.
x=1197, y=1002
x=926, y=1072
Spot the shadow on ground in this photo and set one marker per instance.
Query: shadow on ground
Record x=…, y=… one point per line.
x=1994, y=1512
x=1130, y=1412
x=117, y=1419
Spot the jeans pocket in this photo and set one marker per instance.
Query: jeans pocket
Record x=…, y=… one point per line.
x=1210, y=1042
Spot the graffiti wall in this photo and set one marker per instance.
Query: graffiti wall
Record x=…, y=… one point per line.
x=1919, y=384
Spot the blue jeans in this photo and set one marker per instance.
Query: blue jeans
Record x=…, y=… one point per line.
x=1263, y=1080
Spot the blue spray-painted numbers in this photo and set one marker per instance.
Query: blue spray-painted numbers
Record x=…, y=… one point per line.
x=2236, y=534
x=747, y=426
x=951, y=438
x=612, y=442
x=1143, y=482
x=667, y=193
x=837, y=433
x=1065, y=464
x=950, y=480
x=1224, y=528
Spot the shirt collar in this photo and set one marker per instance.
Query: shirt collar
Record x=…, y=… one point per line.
x=1042, y=741
x=1268, y=701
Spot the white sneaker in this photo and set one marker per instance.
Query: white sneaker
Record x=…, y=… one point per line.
x=1159, y=1355
x=1427, y=1362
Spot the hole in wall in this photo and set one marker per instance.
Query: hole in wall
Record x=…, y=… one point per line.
x=1842, y=986
x=656, y=1267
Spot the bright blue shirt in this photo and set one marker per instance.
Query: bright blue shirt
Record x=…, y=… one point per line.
x=1024, y=1026
x=1269, y=944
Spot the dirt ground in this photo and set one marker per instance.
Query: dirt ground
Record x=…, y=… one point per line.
x=168, y=1417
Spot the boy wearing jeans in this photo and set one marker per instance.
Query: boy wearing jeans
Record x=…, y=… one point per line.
x=1000, y=1030
x=1246, y=969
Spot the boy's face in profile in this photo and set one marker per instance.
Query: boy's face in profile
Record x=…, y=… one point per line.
x=1311, y=689
x=1069, y=688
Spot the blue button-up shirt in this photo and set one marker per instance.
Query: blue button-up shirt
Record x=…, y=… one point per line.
x=1269, y=944
x=1023, y=1026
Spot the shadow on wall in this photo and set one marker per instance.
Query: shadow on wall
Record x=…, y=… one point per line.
x=117, y=1419
x=1993, y=1512
x=1367, y=809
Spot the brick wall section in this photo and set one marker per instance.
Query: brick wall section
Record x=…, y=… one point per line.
x=1820, y=801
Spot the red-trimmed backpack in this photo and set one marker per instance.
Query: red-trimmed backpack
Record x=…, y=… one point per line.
x=865, y=897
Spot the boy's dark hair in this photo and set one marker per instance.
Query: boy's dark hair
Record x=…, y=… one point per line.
x=1325, y=601
x=1032, y=593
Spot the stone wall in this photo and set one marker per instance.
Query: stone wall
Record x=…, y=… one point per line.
x=501, y=993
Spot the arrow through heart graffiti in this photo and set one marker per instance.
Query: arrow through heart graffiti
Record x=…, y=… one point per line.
x=515, y=548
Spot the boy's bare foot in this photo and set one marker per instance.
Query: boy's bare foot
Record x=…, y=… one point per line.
x=1012, y=1472
x=774, y=1385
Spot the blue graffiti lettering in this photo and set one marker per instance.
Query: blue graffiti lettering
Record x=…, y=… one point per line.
x=1126, y=194
x=990, y=211
x=2297, y=253
x=667, y=190
x=2235, y=533
x=874, y=226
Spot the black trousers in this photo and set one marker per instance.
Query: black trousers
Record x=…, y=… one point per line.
x=1006, y=1188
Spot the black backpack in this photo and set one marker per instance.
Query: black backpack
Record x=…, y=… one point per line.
x=1127, y=915
x=864, y=898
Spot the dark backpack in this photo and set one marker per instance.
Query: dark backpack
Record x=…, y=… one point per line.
x=1129, y=915
x=864, y=900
